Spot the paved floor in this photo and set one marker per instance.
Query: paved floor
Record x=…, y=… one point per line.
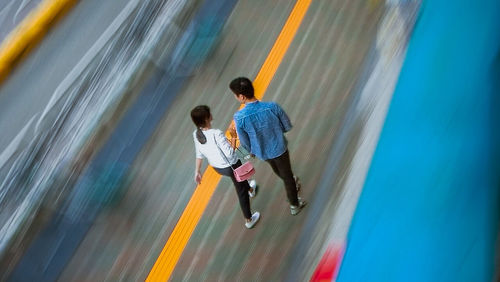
x=64, y=47
x=315, y=84
x=12, y=13
x=32, y=100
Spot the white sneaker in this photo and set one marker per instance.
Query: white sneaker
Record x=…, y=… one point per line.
x=255, y=218
x=294, y=210
x=253, y=185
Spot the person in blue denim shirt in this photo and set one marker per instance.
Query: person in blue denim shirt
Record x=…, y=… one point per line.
x=261, y=127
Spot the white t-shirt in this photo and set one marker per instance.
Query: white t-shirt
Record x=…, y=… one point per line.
x=209, y=149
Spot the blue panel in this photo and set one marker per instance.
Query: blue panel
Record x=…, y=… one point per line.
x=429, y=210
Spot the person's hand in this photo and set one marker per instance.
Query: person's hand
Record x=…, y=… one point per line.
x=250, y=156
x=197, y=177
x=232, y=130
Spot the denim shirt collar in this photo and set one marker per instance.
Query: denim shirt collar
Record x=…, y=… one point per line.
x=252, y=103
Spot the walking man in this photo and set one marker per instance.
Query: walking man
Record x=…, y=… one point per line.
x=261, y=127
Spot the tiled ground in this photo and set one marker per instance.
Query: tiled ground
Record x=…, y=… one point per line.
x=315, y=84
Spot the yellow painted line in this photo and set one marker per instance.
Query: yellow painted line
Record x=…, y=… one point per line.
x=280, y=47
x=172, y=251
x=29, y=32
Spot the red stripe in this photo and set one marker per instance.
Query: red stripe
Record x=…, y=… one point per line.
x=329, y=265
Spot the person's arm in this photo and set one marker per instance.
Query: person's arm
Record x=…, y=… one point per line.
x=234, y=135
x=286, y=124
x=243, y=136
x=224, y=144
x=199, y=161
x=197, y=174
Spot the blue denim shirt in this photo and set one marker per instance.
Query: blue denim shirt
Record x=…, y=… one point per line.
x=260, y=127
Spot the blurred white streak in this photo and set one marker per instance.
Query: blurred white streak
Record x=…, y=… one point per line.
x=39, y=156
x=384, y=64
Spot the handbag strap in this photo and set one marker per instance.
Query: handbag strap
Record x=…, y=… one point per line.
x=237, y=148
x=222, y=153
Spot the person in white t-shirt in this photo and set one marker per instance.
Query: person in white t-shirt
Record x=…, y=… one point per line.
x=206, y=141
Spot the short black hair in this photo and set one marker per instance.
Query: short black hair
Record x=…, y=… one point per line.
x=242, y=85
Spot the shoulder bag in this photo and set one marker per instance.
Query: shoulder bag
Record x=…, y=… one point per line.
x=241, y=173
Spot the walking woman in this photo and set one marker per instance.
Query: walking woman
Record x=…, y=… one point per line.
x=211, y=144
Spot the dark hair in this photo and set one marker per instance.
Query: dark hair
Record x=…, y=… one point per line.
x=242, y=85
x=200, y=115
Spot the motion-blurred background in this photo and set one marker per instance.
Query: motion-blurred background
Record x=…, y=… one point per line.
x=395, y=113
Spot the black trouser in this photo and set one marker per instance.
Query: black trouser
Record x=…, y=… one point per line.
x=282, y=167
x=241, y=189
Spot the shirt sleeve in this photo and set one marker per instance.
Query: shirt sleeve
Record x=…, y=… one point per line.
x=199, y=155
x=243, y=136
x=224, y=144
x=286, y=125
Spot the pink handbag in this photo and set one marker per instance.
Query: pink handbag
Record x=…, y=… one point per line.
x=244, y=172
x=241, y=173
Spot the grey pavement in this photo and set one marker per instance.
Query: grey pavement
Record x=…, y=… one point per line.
x=42, y=131
x=319, y=84
x=29, y=89
x=316, y=85
x=12, y=13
